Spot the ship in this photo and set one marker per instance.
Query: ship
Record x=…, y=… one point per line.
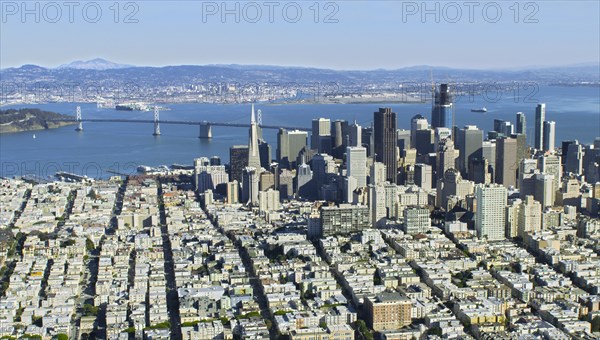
x=124, y=108
x=483, y=109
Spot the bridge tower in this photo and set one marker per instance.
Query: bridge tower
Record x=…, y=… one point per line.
x=205, y=130
x=78, y=117
x=259, y=117
x=156, y=122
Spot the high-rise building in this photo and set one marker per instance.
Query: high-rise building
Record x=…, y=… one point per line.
x=238, y=160
x=549, y=135
x=250, y=187
x=469, y=142
x=442, y=114
x=446, y=157
x=266, y=181
x=304, y=182
x=574, y=162
x=355, y=136
x=322, y=165
x=209, y=176
x=233, y=191
x=490, y=212
x=264, y=152
x=540, y=117
x=506, y=161
x=356, y=164
x=289, y=145
x=321, y=135
x=253, y=150
x=403, y=138
x=377, y=173
x=416, y=220
x=423, y=176
x=388, y=311
x=543, y=190
x=521, y=123
x=286, y=183
x=417, y=123
x=530, y=217
x=551, y=165
x=340, y=139
x=385, y=141
x=424, y=141
x=452, y=185
x=344, y=219
x=268, y=201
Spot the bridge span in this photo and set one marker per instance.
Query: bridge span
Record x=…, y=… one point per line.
x=204, y=126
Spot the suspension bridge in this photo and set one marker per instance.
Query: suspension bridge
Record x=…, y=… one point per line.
x=205, y=127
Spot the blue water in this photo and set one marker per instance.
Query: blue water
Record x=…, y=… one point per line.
x=121, y=147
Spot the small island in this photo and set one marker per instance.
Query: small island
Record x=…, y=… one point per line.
x=18, y=120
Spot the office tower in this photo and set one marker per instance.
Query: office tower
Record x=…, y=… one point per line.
x=274, y=168
x=209, y=176
x=215, y=160
x=377, y=173
x=540, y=117
x=264, y=152
x=530, y=217
x=442, y=114
x=322, y=164
x=479, y=171
x=250, y=180
x=377, y=204
x=253, y=151
x=238, y=160
x=543, y=190
x=488, y=149
x=403, y=141
x=356, y=164
x=339, y=138
x=490, y=213
x=565, y=148
x=452, y=185
x=423, y=176
x=368, y=141
x=527, y=169
x=551, y=165
x=344, y=219
x=233, y=191
x=506, y=161
x=321, y=135
x=391, y=199
x=266, y=181
x=304, y=182
x=417, y=123
x=503, y=128
x=349, y=187
x=446, y=157
x=522, y=148
x=385, y=141
x=549, y=135
x=416, y=220
x=574, y=162
x=289, y=146
x=441, y=134
x=521, y=123
x=424, y=141
x=355, y=136
x=511, y=223
x=286, y=183
x=469, y=141
x=268, y=201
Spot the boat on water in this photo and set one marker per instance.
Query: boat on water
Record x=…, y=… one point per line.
x=34, y=136
x=483, y=109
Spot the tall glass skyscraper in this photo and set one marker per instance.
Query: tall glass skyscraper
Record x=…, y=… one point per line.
x=442, y=114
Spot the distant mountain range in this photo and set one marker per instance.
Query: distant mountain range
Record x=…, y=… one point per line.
x=94, y=64
x=103, y=71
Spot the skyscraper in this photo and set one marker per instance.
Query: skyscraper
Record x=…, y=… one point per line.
x=540, y=117
x=356, y=164
x=423, y=176
x=521, y=123
x=549, y=135
x=385, y=141
x=289, y=145
x=417, y=123
x=238, y=160
x=355, y=137
x=253, y=150
x=506, y=161
x=490, y=215
x=530, y=217
x=250, y=182
x=442, y=114
x=469, y=143
x=321, y=135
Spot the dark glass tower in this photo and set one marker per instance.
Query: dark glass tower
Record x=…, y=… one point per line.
x=442, y=114
x=385, y=122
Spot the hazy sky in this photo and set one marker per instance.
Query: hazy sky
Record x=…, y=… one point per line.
x=348, y=34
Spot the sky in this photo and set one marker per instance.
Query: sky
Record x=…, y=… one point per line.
x=349, y=34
